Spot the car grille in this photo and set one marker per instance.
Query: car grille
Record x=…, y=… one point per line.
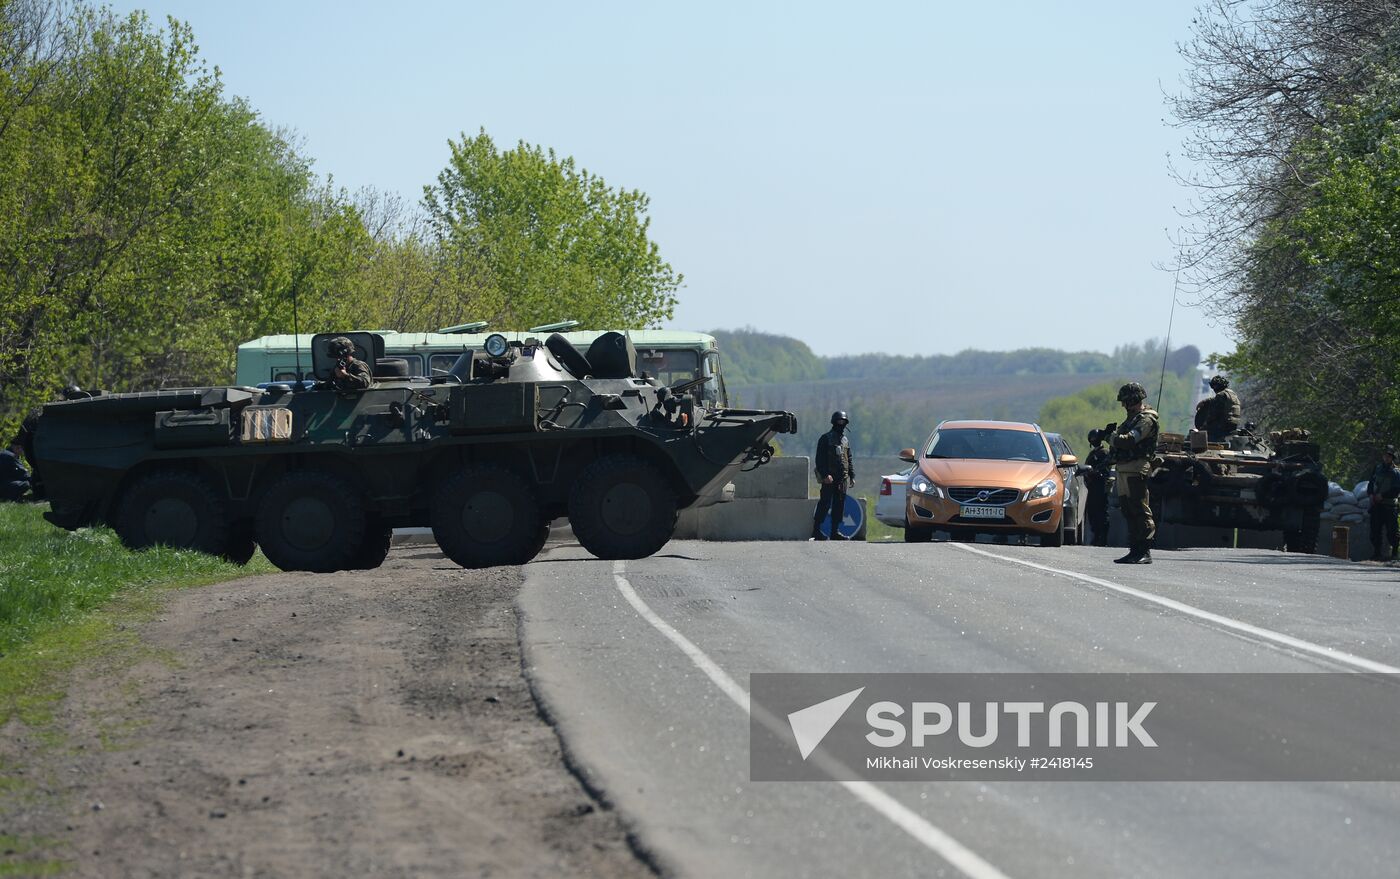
x=998, y=497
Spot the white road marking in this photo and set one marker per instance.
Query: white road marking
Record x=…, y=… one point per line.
x=936, y=840
x=1269, y=635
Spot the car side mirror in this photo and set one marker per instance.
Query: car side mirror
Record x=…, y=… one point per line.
x=908, y=455
x=1068, y=460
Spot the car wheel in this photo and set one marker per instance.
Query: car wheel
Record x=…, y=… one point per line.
x=485, y=516
x=917, y=535
x=1054, y=538
x=622, y=507
x=173, y=508
x=311, y=521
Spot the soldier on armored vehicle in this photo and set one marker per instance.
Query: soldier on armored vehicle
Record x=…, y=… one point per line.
x=486, y=455
x=1219, y=416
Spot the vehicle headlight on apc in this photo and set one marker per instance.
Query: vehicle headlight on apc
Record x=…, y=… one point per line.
x=1044, y=489
x=496, y=345
x=921, y=484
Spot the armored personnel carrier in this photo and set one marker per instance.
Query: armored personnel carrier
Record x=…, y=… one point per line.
x=486, y=454
x=1243, y=482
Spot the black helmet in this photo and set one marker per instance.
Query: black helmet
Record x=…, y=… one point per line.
x=1132, y=393
x=840, y=418
x=341, y=347
x=1219, y=383
x=73, y=392
x=1390, y=450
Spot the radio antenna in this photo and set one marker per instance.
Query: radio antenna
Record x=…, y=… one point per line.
x=1167, y=345
x=296, y=337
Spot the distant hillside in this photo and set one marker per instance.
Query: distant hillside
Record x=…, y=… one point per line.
x=752, y=358
x=755, y=358
x=895, y=401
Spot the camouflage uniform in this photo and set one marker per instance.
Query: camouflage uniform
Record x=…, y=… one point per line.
x=1096, y=481
x=357, y=373
x=1219, y=416
x=1134, y=445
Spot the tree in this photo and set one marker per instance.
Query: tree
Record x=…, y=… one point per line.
x=531, y=236
x=1293, y=106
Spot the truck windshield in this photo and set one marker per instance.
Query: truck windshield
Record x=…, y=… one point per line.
x=990, y=444
x=669, y=367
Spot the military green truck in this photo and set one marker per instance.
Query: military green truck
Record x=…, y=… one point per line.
x=512, y=436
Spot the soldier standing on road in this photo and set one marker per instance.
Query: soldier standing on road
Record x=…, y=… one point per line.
x=1133, y=447
x=1384, y=489
x=1096, y=480
x=1219, y=416
x=350, y=374
x=835, y=472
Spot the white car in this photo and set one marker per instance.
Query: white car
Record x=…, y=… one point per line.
x=889, y=508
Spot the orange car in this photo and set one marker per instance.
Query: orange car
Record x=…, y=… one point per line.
x=990, y=477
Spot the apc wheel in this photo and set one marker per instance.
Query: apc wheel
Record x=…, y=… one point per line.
x=486, y=516
x=173, y=508
x=241, y=543
x=311, y=521
x=540, y=539
x=917, y=535
x=1304, y=540
x=374, y=549
x=622, y=507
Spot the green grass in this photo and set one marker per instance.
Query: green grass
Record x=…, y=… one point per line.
x=876, y=530
x=69, y=596
x=17, y=856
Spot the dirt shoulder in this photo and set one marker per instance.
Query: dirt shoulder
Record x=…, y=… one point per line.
x=316, y=725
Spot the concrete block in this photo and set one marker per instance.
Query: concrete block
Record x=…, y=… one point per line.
x=1358, y=539
x=1249, y=539
x=1173, y=536
x=782, y=477
x=752, y=519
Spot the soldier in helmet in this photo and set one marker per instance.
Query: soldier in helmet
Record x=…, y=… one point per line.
x=73, y=392
x=1133, y=447
x=1384, y=490
x=1219, y=416
x=350, y=373
x=1098, y=480
x=835, y=472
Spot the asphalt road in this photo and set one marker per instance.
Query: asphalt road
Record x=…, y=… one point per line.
x=642, y=666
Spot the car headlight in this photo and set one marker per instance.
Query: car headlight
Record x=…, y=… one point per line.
x=921, y=484
x=1044, y=489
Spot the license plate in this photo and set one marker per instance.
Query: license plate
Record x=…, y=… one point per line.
x=983, y=513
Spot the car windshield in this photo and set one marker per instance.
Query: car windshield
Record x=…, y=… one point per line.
x=991, y=444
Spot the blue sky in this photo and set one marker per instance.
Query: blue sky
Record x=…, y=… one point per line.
x=913, y=178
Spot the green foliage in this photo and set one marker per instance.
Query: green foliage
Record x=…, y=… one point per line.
x=1132, y=358
x=533, y=233
x=149, y=223
x=1321, y=327
x=48, y=575
x=752, y=358
x=1074, y=415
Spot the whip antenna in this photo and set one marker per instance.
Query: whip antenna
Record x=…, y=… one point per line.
x=296, y=338
x=1167, y=345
